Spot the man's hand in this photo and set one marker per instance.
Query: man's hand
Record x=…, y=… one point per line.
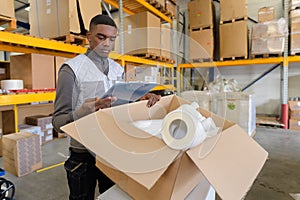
x=94, y=104
x=152, y=99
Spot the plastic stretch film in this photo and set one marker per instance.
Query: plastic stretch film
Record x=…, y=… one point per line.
x=12, y=85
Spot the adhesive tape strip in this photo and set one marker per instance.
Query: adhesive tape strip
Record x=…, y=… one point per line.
x=12, y=84
x=194, y=132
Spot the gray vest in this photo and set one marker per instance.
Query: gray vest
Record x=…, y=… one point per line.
x=91, y=82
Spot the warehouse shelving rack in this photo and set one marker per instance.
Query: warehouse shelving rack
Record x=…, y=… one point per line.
x=13, y=42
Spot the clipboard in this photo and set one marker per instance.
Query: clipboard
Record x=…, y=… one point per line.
x=127, y=92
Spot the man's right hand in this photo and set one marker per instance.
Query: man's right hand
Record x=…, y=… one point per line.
x=94, y=104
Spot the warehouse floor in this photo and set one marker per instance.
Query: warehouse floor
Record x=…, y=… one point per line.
x=279, y=177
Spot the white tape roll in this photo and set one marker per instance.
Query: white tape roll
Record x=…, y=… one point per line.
x=182, y=128
x=12, y=85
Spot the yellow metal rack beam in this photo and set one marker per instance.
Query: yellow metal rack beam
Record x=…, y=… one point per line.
x=28, y=44
x=13, y=99
x=145, y=4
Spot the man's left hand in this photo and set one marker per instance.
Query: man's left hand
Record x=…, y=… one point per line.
x=152, y=99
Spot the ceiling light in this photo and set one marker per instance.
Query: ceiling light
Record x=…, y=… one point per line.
x=27, y=8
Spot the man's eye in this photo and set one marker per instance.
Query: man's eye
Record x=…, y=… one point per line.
x=101, y=37
x=112, y=39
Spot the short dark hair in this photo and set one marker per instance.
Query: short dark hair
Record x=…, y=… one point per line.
x=102, y=19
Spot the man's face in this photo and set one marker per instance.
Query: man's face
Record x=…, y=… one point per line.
x=102, y=39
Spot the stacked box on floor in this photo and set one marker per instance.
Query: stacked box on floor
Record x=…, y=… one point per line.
x=295, y=31
x=21, y=153
x=51, y=19
x=201, y=30
x=237, y=107
x=294, y=114
x=37, y=130
x=141, y=34
x=36, y=70
x=268, y=37
x=45, y=122
x=233, y=29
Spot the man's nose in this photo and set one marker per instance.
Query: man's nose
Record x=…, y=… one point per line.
x=106, y=42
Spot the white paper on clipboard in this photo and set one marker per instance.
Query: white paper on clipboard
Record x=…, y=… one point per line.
x=127, y=92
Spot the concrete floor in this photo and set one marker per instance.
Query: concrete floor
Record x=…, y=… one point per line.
x=279, y=177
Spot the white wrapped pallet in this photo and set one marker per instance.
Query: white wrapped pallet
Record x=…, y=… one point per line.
x=237, y=107
x=203, y=98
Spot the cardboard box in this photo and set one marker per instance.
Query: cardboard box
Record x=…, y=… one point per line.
x=294, y=124
x=294, y=4
x=43, y=121
x=4, y=71
x=271, y=45
x=165, y=40
x=51, y=18
x=295, y=25
x=295, y=43
x=237, y=107
x=266, y=14
x=295, y=114
x=203, y=98
x=36, y=70
x=21, y=153
x=144, y=73
x=37, y=130
x=200, y=13
x=141, y=34
x=7, y=8
x=202, y=44
x=294, y=105
x=170, y=6
x=234, y=40
x=59, y=61
x=232, y=9
x=147, y=169
x=277, y=28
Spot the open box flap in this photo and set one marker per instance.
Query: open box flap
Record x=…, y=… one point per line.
x=232, y=164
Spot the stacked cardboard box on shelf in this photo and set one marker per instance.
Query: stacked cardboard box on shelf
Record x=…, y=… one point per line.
x=21, y=153
x=294, y=114
x=233, y=29
x=141, y=34
x=295, y=30
x=52, y=19
x=171, y=8
x=201, y=17
x=143, y=73
x=7, y=8
x=268, y=37
x=165, y=41
x=36, y=70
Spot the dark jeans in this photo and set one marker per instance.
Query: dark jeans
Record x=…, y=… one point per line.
x=82, y=176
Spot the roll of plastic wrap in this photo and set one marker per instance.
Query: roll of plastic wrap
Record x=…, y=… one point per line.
x=182, y=128
x=12, y=85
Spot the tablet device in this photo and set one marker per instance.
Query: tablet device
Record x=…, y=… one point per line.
x=127, y=92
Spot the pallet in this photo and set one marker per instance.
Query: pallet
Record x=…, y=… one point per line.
x=11, y=23
x=295, y=53
x=156, y=5
x=234, y=58
x=201, y=28
x=245, y=18
x=200, y=60
x=268, y=121
x=265, y=55
x=165, y=59
x=73, y=39
x=150, y=56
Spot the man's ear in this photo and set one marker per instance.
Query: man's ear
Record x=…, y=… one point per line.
x=88, y=36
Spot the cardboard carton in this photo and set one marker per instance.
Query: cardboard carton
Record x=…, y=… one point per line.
x=171, y=7
x=266, y=14
x=202, y=44
x=234, y=39
x=36, y=70
x=21, y=153
x=147, y=169
x=294, y=124
x=231, y=9
x=52, y=19
x=295, y=43
x=7, y=8
x=141, y=34
x=270, y=45
x=200, y=13
x=165, y=40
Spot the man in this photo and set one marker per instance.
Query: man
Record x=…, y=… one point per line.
x=81, y=83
